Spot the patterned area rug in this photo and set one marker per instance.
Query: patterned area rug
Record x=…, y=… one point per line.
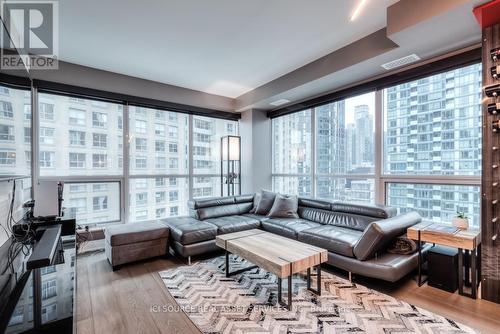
x=246, y=303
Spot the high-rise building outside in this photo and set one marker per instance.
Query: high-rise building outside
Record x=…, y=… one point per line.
x=350, y=133
x=331, y=138
x=292, y=152
x=81, y=141
x=336, y=151
x=364, y=141
x=433, y=127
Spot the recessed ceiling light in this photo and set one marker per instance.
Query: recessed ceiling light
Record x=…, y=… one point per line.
x=401, y=61
x=279, y=102
x=360, y=6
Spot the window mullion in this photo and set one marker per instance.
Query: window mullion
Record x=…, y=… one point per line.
x=379, y=151
x=125, y=198
x=190, y=157
x=35, y=149
x=313, y=152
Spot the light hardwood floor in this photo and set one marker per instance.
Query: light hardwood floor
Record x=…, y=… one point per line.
x=122, y=301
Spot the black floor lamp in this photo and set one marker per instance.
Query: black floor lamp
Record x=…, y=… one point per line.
x=230, y=165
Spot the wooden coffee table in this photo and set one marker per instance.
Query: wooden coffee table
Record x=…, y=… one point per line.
x=278, y=255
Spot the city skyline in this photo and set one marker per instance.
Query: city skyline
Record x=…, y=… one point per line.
x=81, y=142
x=432, y=126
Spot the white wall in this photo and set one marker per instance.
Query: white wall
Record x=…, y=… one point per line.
x=255, y=130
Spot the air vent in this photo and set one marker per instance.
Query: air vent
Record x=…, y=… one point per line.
x=401, y=61
x=279, y=102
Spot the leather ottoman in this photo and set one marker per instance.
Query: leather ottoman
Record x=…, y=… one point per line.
x=126, y=243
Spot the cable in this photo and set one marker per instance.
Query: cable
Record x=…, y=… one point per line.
x=20, y=241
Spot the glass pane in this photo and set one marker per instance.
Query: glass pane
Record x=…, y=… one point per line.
x=93, y=203
x=207, y=186
x=80, y=136
x=433, y=125
x=438, y=203
x=57, y=286
x=292, y=143
x=155, y=198
x=293, y=185
x=15, y=131
x=159, y=141
x=345, y=136
x=207, y=133
x=345, y=189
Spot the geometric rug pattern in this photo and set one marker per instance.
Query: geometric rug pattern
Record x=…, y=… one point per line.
x=246, y=303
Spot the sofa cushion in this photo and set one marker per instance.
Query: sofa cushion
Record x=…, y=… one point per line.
x=284, y=206
x=202, y=247
x=124, y=234
x=230, y=224
x=287, y=227
x=256, y=200
x=333, y=238
x=352, y=221
x=187, y=230
x=266, y=202
x=260, y=218
x=381, y=233
x=386, y=266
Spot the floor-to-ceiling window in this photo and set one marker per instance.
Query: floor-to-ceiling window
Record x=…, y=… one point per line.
x=415, y=146
x=206, y=154
x=80, y=142
x=292, y=153
x=159, y=163
x=15, y=132
x=345, y=149
x=432, y=144
x=122, y=162
x=327, y=151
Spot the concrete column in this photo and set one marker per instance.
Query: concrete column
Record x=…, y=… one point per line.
x=256, y=151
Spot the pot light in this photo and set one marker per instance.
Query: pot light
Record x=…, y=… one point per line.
x=358, y=9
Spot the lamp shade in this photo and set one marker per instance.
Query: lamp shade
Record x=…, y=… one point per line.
x=231, y=148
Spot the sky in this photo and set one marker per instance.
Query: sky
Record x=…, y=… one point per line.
x=350, y=103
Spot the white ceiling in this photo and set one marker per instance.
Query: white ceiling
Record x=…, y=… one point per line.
x=223, y=47
x=430, y=38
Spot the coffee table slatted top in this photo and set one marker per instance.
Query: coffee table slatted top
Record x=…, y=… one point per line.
x=276, y=254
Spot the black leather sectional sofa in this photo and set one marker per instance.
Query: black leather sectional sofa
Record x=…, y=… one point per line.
x=355, y=235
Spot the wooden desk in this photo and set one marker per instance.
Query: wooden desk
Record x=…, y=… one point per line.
x=467, y=241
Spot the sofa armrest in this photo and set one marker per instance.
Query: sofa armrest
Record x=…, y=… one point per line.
x=378, y=235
